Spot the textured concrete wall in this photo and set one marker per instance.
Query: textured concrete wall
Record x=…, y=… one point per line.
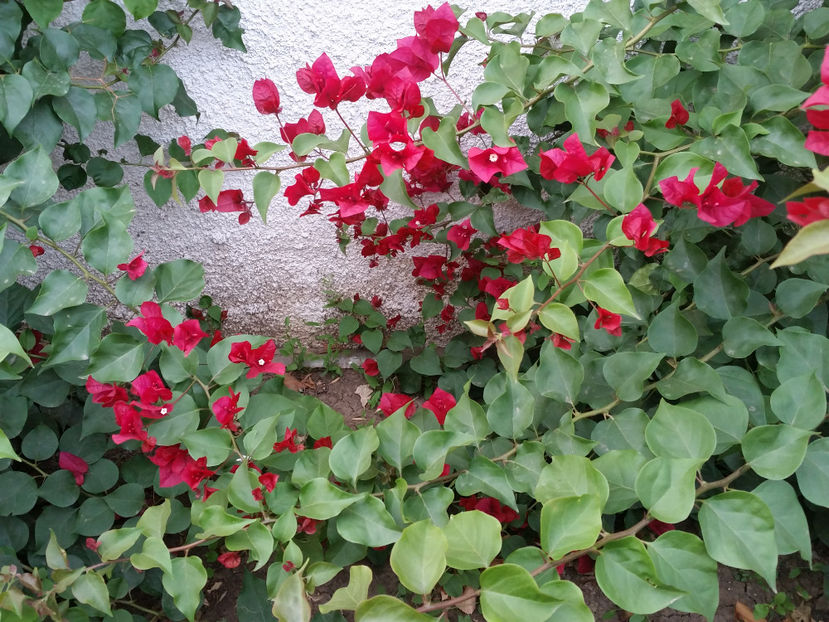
x=265, y=273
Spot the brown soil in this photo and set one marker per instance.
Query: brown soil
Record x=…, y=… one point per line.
x=804, y=587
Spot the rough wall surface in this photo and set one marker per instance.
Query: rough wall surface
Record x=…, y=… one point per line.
x=265, y=273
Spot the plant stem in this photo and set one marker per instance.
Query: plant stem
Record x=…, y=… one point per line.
x=573, y=279
x=350, y=131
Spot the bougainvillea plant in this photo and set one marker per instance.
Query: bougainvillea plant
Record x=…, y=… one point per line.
x=639, y=387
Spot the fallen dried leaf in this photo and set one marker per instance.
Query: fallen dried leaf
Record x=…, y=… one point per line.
x=299, y=385
x=743, y=613
x=467, y=606
x=364, y=391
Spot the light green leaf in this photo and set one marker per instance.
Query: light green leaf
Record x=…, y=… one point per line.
x=181, y=279
x=582, y=103
x=291, y=604
x=34, y=169
x=571, y=476
x=474, y=540
x=738, y=530
x=800, y=401
x=507, y=590
x=394, y=188
x=628, y=577
x=680, y=560
x=265, y=188
x=10, y=345
x=352, y=454
x=570, y=524
x=606, y=288
x=384, y=608
x=775, y=451
x=367, y=522
x=444, y=142
x=626, y=372
x=185, y=584
x=677, y=432
x=320, y=499
x=418, y=558
x=813, y=474
x=666, y=487
x=91, y=590
x=791, y=530
x=349, y=597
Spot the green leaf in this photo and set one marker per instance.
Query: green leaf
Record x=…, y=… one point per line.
x=384, y=608
x=742, y=336
x=77, y=108
x=775, y=451
x=265, y=188
x=352, y=454
x=783, y=142
x=467, y=418
x=91, y=590
x=107, y=15
x=213, y=443
x=240, y=490
x=444, y=142
x=320, y=499
x=570, y=476
x=677, y=432
x=627, y=372
x=488, y=478
x=367, y=522
x=776, y=97
x=55, y=556
x=107, y=245
x=730, y=148
x=666, y=487
x=185, y=584
x=738, y=530
x=34, y=169
x=397, y=436
x=559, y=376
x=570, y=524
x=418, y=558
x=623, y=190
x=59, y=50
x=728, y=415
x=40, y=443
x=154, y=554
x=813, y=474
x=813, y=239
x=6, y=450
x=141, y=8
x=429, y=505
x=718, y=291
x=59, y=290
x=671, y=333
x=680, y=560
x=507, y=590
x=606, y=288
x=10, y=345
x=486, y=94
x=620, y=467
x=474, y=540
x=608, y=56
x=214, y=521
x=791, y=530
x=153, y=521
x=113, y=543
x=709, y=9
x=508, y=67
x=355, y=592
x=797, y=297
x=211, y=182
x=582, y=103
x=16, y=97
x=559, y=318
x=628, y=577
x=118, y=359
x=43, y=11
x=181, y=279
x=291, y=604
x=800, y=401
x=394, y=188
x=511, y=412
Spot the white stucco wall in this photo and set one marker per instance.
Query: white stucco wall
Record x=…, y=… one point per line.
x=265, y=273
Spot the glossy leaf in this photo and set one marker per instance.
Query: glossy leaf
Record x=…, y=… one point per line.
x=775, y=451
x=628, y=577
x=507, y=590
x=474, y=539
x=418, y=558
x=738, y=530
x=569, y=524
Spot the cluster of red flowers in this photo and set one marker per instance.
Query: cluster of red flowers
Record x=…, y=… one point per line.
x=185, y=336
x=175, y=464
x=439, y=403
x=720, y=205
x=812, y=209
x=638, y=226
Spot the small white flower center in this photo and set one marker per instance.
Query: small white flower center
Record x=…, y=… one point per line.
x=493, y=157
x=163, y=411
x=261, y=361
